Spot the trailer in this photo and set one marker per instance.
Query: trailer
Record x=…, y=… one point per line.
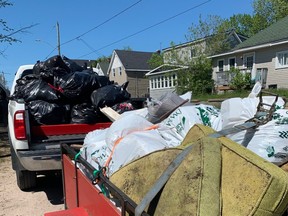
x=81, y=194
x=88, y=192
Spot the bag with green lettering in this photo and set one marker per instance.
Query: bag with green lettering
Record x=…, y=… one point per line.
x=185, y=117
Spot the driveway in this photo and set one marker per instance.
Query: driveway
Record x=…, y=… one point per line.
x=46, y=197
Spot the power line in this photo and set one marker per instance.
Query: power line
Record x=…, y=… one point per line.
x=106, y=21
x=152, y=26
x=51, y=52
x=90, y=47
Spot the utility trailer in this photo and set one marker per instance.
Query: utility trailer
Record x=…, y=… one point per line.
x=82, y=196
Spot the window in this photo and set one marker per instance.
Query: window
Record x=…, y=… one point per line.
x=158, y=82
x=282, y=59
x=232, y=63
x=120, y=71
x=166, y=81
x=192, y=53
x=173, y=80
x=220, y=65
x=249, y=62
x=113, y=72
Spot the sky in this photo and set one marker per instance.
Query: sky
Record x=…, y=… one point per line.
x=90, y=29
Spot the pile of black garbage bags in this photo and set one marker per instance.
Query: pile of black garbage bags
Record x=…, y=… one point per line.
x=60, y=91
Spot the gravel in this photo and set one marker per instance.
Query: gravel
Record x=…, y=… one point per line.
x=46, y=197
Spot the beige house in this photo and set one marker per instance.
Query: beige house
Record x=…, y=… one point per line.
x=264, y=56
x=164, y=78
x=130, y=66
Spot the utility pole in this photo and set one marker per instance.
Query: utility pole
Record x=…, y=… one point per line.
x=58, y=39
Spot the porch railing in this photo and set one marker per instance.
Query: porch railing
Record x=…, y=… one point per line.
x=225, y=77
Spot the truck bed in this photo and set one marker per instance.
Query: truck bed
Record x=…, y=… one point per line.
x=63, y=132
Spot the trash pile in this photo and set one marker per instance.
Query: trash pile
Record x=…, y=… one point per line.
x=227, y=175
x=210, y=176
x=60, y=91
x=137, y=131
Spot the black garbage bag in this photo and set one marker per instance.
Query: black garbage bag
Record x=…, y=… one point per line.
x=38, y=67
x=103, y=81
x=20, y=85
x=84, y=113
x=39, y=89
x=110, y=95
x=73, y=65
x=78, y=86
x=52, y=67
x=56, y=62
x=43, y=112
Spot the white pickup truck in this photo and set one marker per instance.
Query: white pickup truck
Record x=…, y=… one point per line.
x=36, y=148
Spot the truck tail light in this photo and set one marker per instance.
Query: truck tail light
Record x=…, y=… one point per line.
x=19, y=125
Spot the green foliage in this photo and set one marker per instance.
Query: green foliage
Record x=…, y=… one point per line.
x=101, y=59
x=241, y=23
x=214, y=34
x=127, y=48
x=197, y=78
x=240, y=81
x=265, y=13
x=156, y=60
x=270, y=11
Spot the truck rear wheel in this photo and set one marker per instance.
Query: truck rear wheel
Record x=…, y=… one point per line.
x=25, y=179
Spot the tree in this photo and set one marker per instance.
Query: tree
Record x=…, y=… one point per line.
x=241, y=23
x=156, y=60
x=265, y=13
x=197, y=78
x=240, y=80
x=101, y=59
x=2, y=79
x=270, y=11
x=212, y=32
x=207, y=38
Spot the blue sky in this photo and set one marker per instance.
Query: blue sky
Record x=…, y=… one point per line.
x=90, y=29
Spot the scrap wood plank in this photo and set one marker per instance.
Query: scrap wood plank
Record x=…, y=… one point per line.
x=110, y=113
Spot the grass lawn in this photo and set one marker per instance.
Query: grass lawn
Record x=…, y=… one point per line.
x=242, y=94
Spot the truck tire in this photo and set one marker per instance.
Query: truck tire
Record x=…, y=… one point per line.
x=25, y=179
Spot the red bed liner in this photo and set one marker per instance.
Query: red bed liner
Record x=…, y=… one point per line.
x=65, y=129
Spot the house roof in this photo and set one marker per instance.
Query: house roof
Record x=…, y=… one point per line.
x=276, y=32
x=104, y=66
x=230, y=34
x=81, y=62
x=134, y=60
